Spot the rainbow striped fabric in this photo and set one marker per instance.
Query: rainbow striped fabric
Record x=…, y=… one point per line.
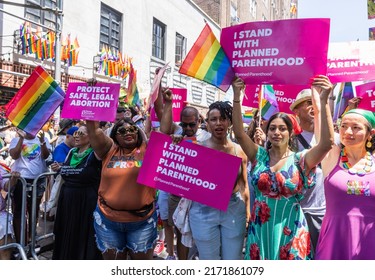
x=345, y=93
x=248, y=116
x=267, y=102
x=35, y=102
x=207, y=61
x=132, y=94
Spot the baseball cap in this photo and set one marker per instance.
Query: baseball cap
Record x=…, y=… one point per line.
x=72, y=130
x=302, y=96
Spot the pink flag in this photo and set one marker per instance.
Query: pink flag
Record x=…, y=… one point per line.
x=155, y=87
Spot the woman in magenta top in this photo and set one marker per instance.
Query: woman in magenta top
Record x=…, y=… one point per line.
x=348, y=228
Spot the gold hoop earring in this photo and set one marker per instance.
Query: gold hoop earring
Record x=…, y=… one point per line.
x=369, y=144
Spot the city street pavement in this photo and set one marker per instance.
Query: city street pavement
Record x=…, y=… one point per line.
x=45, y=227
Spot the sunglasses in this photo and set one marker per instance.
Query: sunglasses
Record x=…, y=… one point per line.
x=185, y=125
x=79, y=133
x=126, y=130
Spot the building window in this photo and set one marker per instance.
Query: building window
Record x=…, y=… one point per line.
x=234, y=19
x=47, y=18
x=180, y=49
x=110, y=28
x=253, y=8
x=158, y=39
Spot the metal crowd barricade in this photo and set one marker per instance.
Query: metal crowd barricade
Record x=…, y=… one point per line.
x=33, y=215
x=19, y=246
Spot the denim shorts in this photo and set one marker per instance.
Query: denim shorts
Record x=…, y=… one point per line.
x=135, y=236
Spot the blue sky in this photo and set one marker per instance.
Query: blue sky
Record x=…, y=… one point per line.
x=348, y=17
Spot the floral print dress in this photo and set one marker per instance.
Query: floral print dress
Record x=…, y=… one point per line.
x=278, y=228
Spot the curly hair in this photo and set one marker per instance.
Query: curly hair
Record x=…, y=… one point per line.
x=224, y=108
x=120, y=123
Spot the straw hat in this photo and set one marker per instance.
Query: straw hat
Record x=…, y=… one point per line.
x=302, y=96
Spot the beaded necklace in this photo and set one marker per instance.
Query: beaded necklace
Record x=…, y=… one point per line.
x=352, y=171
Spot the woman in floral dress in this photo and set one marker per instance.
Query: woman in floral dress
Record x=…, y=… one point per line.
x=278, y=228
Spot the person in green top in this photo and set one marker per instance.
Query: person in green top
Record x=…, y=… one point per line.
x=278, y=227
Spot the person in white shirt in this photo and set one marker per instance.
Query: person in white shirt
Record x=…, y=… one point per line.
x=29, y=154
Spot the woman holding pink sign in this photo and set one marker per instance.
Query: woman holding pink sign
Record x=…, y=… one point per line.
x=125, y=216
x=278, y=227
x=220, y=234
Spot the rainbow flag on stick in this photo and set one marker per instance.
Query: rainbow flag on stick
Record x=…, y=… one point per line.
x=345, y=93
x=207, y=61
x=132, y=94
x=267, y=102
x=35, y=102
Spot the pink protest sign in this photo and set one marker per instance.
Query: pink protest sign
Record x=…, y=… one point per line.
x=86, y=102
x=179, y=102
x=188, y=170
x=351, y=61
x=367, y=92
x=285, y=96
x=277, y=52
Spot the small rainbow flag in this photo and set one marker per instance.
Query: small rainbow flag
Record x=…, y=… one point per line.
x=132, y=94
x=5, y=167
x=35, y=102
x=267, y=102
x=248, y=116
x=345, y=93
x=207, y=61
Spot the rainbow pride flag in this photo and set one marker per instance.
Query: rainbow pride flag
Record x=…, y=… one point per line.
x=35, y=102
x=248, y=116
x=4, y=167
x=345, y=93
x=207, y=61
x=267, y=102
x=132, y=94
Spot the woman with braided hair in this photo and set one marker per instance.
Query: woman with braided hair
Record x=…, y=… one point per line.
x=220, y=234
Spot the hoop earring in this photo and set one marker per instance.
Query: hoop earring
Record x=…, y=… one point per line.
x=369, y=144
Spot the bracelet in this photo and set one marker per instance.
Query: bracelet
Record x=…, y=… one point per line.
x=42, y=143
x=236, y=101
x=332, y=97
